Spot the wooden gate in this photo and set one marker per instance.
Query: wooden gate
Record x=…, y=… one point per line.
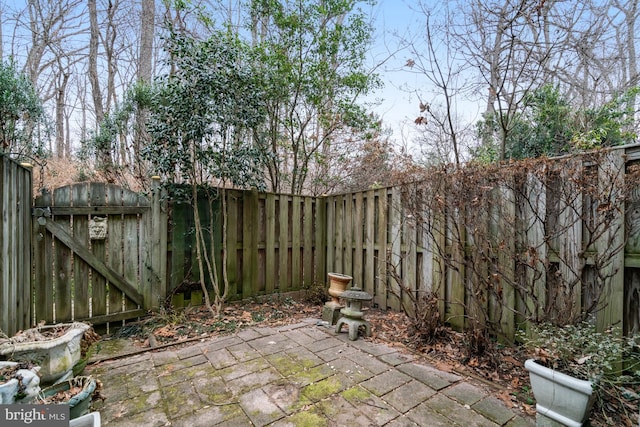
x=99, y=253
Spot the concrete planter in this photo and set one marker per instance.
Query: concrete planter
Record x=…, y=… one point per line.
x=56, y=357
x=559, y=397
x=78, y=403
x=9, y=389
x=92, y=419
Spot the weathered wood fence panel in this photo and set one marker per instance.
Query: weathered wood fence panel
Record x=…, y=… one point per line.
x=98, y=254
x=15, y=247
x=530, y=257
x=271, y=243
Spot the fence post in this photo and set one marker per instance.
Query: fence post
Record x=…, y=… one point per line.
x=156, y=290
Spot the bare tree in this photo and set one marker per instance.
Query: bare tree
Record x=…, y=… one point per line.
x=440, y=63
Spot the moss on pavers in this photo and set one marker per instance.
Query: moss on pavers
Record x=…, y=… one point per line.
x=169, y=375
x=302, y=354
x=213, y=391
x=465, y=393
x=494, y=409
x=180, y=399
x=288, y=365
x=241, y=369
x=339, y=412
x=385, y=382
x=249, y=382
x=109, y=348
x=325, y=388
x=142, y=385
x=371, y=405
x=408, y=395
x=306, y=419
x=357, y=395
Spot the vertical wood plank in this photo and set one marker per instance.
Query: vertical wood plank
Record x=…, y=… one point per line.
x=25, y=261
x=283, y=244
x=115, y=248
x=410, y=259
x=270, y=244
x=43, y=283
x=179, y=236
x=533, y=214
x=131, y=249
x=62, y=261
x=369, y=254
x=456, y=275
x=97, y=197
x=296, y=242
x=380, y=292
x=342, y=228
x=570, y=239
x=358, y=239
x=347, y=223
x=395, y=243
x=611, y=181
x=232, y=242
x=80, y=195
x=307, y=245
x=8, y=285
x=321, y=238
x=507, y=221
x=249, y=243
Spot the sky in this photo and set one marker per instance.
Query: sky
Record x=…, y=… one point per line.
x=398, y=107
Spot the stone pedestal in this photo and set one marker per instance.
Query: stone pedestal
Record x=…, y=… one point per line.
x=331, y=312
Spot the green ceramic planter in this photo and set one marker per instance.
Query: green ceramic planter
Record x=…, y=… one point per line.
x=79, y=403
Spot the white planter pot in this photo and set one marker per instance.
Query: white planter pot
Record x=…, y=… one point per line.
x=30, y=381
x=560, y=397
x=92, y=419
x=56, y=357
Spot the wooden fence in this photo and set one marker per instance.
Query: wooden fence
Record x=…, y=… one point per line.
x=15, y=249
x=274, y=243
x=497, y=252
x=492, y=249
x=99, y=253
